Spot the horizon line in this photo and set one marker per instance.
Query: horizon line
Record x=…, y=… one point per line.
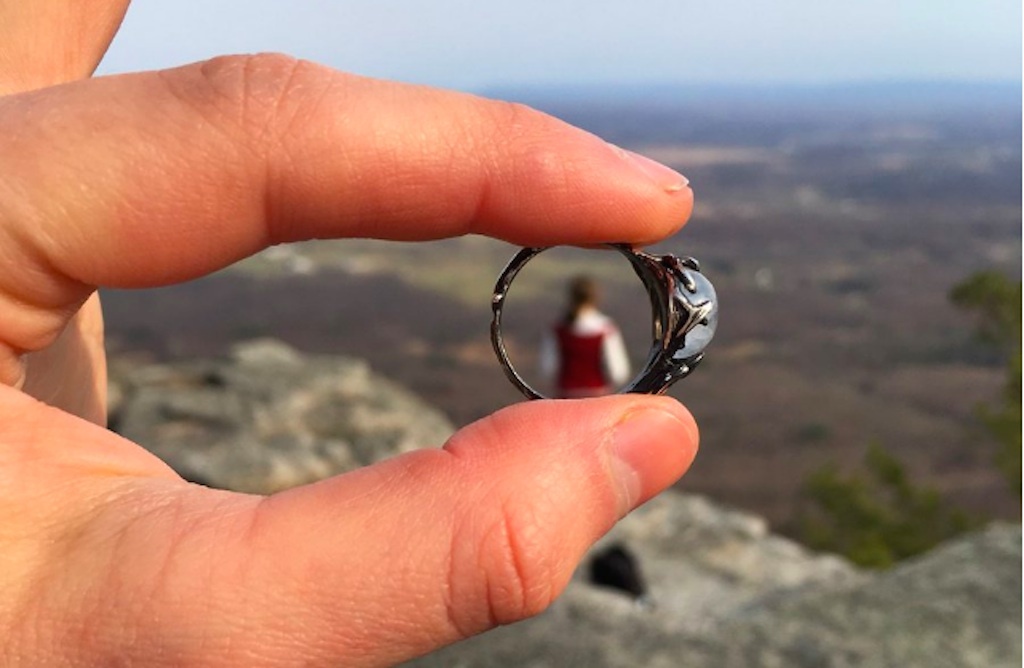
x=790, y=83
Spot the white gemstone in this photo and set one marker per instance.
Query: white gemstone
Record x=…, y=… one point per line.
x=698, y=338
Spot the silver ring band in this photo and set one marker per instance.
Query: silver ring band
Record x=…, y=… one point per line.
x=685, y=315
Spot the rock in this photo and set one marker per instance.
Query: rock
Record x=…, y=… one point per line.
x=959, y=605
x=728, y=594
x=269, y=417
x=703, y=562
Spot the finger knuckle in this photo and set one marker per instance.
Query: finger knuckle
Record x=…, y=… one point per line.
x=513, y=124
x=254, y=91
x=514, y=116
x=516, y=564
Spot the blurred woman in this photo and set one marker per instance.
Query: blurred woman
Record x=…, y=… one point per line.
x=583, y=354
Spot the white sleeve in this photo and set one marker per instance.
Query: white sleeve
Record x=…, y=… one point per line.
x=547, y=361
x=614, y=357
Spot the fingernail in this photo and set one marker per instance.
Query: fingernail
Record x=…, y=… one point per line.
x=651, y=449
x=669, y=179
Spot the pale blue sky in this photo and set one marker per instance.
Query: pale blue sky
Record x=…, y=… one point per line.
x=477, y=44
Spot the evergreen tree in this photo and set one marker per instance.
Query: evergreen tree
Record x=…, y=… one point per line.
x=997, y=302
x=878, y=517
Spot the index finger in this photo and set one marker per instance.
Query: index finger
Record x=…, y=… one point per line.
x=147, y=179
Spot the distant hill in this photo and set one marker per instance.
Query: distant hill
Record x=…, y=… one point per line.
x=904, y=97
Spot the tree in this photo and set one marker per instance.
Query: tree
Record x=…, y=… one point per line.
x=879, y=517
x=996, y=300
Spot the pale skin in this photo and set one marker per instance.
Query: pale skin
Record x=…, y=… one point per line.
x=106, y=555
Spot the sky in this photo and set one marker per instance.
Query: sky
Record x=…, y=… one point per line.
x=480, y=45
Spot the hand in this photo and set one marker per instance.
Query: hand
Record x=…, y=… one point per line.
x=133, y=181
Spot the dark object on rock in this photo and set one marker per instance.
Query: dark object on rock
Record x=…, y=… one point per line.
x=617, y=567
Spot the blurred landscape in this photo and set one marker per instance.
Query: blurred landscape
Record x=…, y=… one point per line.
x=833, y=221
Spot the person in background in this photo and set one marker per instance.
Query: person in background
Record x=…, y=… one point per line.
x=584, y=354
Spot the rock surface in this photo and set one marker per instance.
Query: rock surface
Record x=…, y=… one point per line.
x=269, y=418
x=958, y=606
x=726, y=592
x=730, y=595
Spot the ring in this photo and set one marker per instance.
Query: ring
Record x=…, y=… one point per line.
x=684, y=308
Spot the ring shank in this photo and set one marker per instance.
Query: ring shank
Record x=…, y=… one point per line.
x=653, y=283
x=501, y=288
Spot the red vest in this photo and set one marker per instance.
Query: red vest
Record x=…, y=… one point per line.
x=580, y=356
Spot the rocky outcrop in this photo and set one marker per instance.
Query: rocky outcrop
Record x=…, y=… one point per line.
x=727, y=594
x=723, y=591
x=268, y=418
x=959, y=605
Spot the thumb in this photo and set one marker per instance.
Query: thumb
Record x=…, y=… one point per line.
x=398, y=559
x=47, y=42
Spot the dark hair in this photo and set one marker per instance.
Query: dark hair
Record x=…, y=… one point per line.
x=582, y=292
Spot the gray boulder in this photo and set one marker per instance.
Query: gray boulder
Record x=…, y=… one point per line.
x=269, y=418
x=728, y=594
x=957, y=606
